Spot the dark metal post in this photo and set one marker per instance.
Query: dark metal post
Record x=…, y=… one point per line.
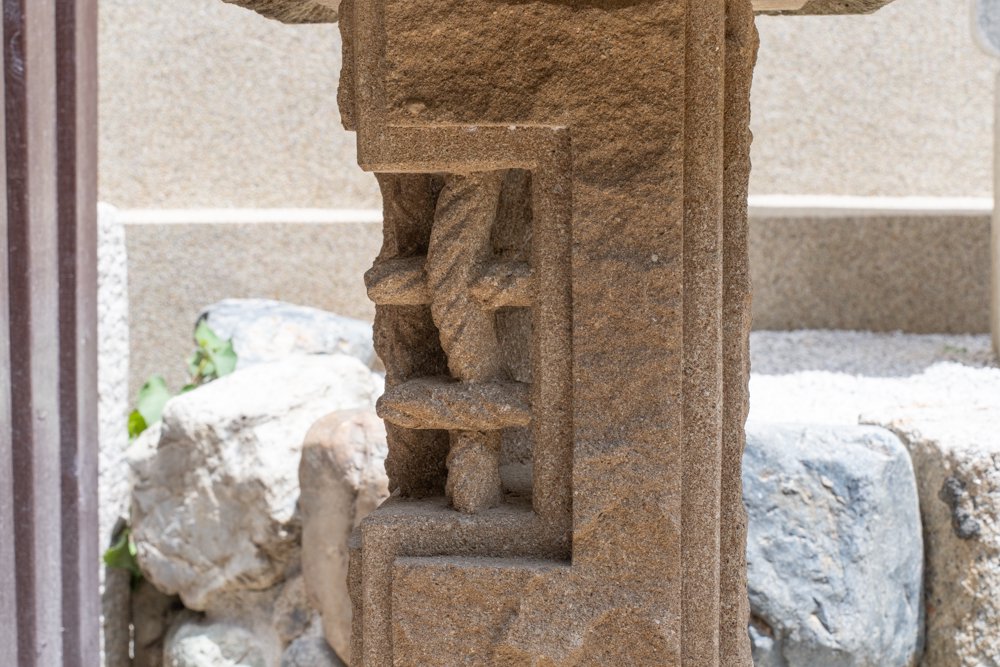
x=48, y=355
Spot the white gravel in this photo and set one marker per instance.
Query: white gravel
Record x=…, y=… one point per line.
x=836, y=377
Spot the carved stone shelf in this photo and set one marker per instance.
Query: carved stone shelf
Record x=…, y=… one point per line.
x=326, y=11
x=448, y=405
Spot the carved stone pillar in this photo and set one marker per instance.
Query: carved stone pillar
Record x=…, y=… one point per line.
x=563, y=311
x=987, y=30
x=563, y=308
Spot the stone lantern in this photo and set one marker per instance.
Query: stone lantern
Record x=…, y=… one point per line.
x=563, y=309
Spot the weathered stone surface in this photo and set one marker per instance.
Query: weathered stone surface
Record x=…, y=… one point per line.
x=310, y=652
x=956, y=456
x=835, y=554
x=276, y=616
x=986, y=22
x=113, y=369
x=293, y=11
x=496, y=129
x=606, y=147
x=342, y=479
x=153, y=614
x=264, y=330
x=986, y=25
x=214, y=505
x=198, y=643
x=819, y=6
x=113, y=407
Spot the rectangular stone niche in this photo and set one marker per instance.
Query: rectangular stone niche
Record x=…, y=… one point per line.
x=489, y=268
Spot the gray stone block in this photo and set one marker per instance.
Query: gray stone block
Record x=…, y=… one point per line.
x=835, y=552
x=264, y=330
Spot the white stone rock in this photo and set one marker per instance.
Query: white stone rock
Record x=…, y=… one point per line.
x=276, y=616
x=941, y=395
x=214, y=507
x=112, y=412
x=342, y=477
x=986, y=23
x=264, y=330
x=200, y=643
x=112, y=369
x=835, y=555
x=310, y=652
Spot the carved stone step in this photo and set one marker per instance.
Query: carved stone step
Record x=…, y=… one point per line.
x=433, y=403
x=402, y=282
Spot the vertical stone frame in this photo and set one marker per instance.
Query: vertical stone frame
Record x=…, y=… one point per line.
x=632, y=119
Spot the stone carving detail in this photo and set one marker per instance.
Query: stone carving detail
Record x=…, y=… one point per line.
x=464, y=286
x=562, y=306
x=563, y=310
x=562, y=274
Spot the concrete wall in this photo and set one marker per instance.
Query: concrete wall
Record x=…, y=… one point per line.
x=205, y=104
x=899, y=103
x=178, y=264
x=816, y=264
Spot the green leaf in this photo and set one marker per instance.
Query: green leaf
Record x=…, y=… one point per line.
x=194, y=363
x=225, y=359
x=121, y=555
x=136, y=424
x=152, y=397
x=188, y=387
x=214, y=357
x=205, y=337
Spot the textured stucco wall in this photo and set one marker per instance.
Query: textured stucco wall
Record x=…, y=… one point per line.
x=205, y=104
x=898, y=103
x=882, y=271
x=208, y=104
x=177, y=269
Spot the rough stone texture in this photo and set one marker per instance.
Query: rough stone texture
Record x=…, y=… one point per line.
x=196, y=643
x=293, y=11
x=939, y=394
x=153, y=614
x=545, y=124
x=869, y=272
x=310, y=652
x=835, y=555
x=986, y=22
x=175, y=270
x=829, y=6
x=214, y=504
x=342, y=479
x=264, y=330
x=956, y=454
x=204, y=104
x=113, y=408
x=490, y=148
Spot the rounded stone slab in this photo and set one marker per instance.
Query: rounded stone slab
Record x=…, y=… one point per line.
x=325, y=11
x=986, y=25
x=293, y=11
x=818, y=6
